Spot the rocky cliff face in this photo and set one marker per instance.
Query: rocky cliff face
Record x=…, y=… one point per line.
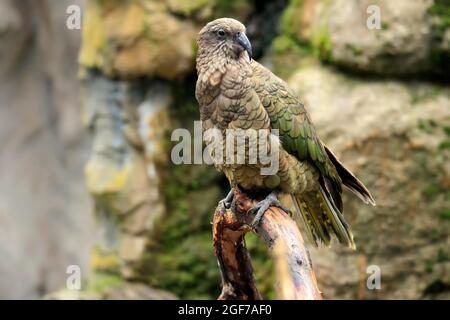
x=45, y=224
x=378, y=97
x=376, y=37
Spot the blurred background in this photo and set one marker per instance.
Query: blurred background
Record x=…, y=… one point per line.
x=85, y=121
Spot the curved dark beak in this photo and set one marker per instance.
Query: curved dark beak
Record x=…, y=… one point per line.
x=243, y=41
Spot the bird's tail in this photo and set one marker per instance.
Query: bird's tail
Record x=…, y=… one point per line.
x=349, y=180
x=321, y=218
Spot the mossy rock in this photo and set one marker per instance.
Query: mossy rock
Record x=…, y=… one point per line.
x=411, y=38
x=132, y=39
x=292, y=24
x=440, y=27
x=304, y=31
x=197, y=9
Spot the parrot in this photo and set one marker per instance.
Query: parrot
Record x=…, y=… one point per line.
x=234, y=92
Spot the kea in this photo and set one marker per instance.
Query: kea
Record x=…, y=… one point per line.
x=236, y=92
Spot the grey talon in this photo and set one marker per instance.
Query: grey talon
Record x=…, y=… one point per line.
x=261, y=207
x=229, y=199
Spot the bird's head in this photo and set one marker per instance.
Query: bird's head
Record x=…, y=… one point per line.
x=225, y=36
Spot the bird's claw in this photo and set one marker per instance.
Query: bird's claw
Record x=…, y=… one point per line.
x=229, y=202
x=261, y=207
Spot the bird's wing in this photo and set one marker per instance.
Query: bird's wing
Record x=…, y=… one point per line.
x=297, y=133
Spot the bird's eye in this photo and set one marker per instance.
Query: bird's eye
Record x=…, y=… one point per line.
x=221, y=33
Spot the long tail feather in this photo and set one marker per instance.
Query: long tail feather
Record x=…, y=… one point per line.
x=350, y=181
x=321, y=218
x=302, y=217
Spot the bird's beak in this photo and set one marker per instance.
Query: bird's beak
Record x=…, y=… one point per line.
x=243, y=41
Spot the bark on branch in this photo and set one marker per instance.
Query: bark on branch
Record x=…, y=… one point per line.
x=296, y=279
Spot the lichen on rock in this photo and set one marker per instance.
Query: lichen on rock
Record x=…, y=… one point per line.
x=410, y=38
x=131, y=39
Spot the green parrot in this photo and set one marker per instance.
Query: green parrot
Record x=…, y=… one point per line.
x=235, y=92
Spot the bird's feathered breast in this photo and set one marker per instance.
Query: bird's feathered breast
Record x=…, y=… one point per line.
x=221, y=89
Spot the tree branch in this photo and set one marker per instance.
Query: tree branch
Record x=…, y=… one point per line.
x=281, y=235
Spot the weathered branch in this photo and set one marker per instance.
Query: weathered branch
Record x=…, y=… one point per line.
x=280, y=233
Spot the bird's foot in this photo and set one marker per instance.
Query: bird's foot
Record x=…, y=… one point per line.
x=261, y=207
x=229, y=202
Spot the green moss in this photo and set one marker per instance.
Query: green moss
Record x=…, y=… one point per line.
x=104, y=260
x=446, y=130
x=429, y=265
x=283, y=44
x=435, y=234
x=408, y=227
x=291, y=46
x=231, y=8
x=291, y=20
x=442, y=256
x=427, y=125
x=99, y=282
x=322, y=45
x=286, y=45
x=431, y=191
x=186, y=267
x=444, y=145
x=440, y=10
x=187, y=8
x=320, y=41
x=355, y=50
x=288, y=55
x=445, y=214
